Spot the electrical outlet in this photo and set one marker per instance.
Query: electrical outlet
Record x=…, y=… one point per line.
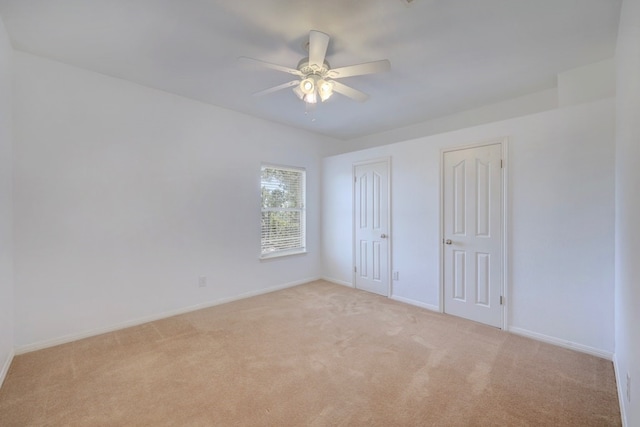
x=202, y=281
x=396, y=275
x=628, y=388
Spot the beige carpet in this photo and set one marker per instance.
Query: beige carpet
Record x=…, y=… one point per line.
x=314, y=355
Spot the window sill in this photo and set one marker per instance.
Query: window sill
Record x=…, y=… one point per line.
x=281, y=254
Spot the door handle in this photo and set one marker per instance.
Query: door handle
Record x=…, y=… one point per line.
x=448, y=241
x=383, y=236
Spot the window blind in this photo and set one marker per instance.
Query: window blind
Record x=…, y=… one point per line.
x=283, y=210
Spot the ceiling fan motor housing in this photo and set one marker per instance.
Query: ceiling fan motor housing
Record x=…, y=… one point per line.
x=305, y=68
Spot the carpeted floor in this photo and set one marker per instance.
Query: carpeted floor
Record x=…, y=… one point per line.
x=315, y=355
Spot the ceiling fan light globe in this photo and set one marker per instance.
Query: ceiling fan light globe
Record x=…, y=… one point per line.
x=307, y=86
x=324, y=97
x=298, y=92
x=311, y=98
x=325, y=90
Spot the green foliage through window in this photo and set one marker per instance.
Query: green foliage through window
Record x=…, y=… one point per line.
x=283, y=210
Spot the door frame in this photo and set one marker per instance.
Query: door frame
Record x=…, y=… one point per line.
x=354, y=165
x=504, y=286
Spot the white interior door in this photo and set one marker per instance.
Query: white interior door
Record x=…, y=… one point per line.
x=371, y=243
x=472, y=211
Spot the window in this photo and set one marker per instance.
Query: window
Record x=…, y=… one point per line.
x=283, y=211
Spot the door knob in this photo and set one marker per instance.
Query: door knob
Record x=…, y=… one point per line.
x=448, y=241
x=383, y=236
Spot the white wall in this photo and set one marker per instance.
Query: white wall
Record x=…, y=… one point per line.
x=561, y=181
x=6, y=227
x=527, y=104
x=125, y=195
x=587, y=83
x=627, y=352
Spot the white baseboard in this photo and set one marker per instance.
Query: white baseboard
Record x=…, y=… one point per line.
x=416, y=303
x=98, y=331
x=621, y=385
x=5, y=367
x=338, y=281
x=562, y=343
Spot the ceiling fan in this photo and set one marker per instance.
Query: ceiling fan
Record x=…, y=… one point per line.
x=315, y=78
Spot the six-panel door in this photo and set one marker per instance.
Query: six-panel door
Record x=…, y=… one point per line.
x=371, y=200
x=472, y=211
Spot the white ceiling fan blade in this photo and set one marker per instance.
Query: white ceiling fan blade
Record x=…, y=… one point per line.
x=349, y=92
x=277, y=88
x=360, y=69
x=270, y=65
x=318, y=42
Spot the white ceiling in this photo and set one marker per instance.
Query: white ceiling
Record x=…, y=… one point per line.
x=446, y=55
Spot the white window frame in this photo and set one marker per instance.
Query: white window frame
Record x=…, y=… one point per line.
x=286, y=248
